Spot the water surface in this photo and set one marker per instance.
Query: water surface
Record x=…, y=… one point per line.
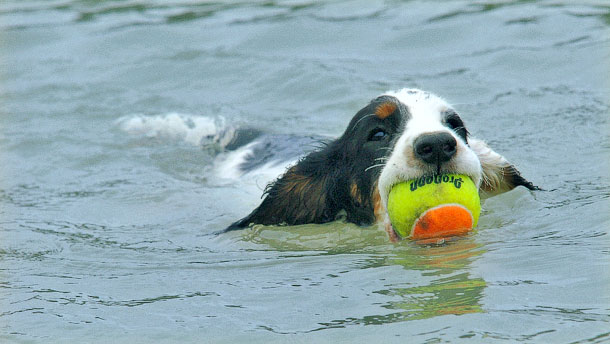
x=109, y=192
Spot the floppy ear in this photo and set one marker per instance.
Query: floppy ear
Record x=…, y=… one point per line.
x=294, y=198
x=307, y=193
x=498, y=174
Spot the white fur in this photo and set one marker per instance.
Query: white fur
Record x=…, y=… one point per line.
x=228, y=166
x=426, y=117
x=493, y=165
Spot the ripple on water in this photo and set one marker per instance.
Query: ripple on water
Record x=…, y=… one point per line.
x=108, y=202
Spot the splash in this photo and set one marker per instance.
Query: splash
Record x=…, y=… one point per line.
x=195, y=130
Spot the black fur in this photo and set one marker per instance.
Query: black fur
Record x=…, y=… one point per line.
x=515, y=179
x=337, y=177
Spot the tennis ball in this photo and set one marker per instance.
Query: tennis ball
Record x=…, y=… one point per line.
x=434, y=206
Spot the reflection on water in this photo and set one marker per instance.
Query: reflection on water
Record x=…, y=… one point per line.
x=333, y=237
x=453, y=290
x=450, y=287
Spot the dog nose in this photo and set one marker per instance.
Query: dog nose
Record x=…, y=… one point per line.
x=435, y=148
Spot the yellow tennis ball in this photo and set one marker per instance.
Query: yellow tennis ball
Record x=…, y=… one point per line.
x=434, y=206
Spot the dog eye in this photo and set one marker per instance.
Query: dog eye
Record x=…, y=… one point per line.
x=455, y=122
x=377, y=135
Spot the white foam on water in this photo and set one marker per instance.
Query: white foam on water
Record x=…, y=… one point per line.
x=188, y=128
x=202, y=130
x=227, y=166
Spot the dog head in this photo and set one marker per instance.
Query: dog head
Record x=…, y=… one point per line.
x=432, y=140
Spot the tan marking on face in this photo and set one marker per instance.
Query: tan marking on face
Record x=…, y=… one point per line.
x=355, y=193
x=385, y=109
x=378, y=208
x=380, y=212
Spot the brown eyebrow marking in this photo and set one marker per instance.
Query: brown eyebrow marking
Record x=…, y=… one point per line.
x=385, y=109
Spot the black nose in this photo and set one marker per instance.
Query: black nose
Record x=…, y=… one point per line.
x=435, y=148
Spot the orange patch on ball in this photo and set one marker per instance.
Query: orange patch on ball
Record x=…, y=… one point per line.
x=443, y=221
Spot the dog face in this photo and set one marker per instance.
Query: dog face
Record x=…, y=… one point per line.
x=433, y=140
x=367, y=141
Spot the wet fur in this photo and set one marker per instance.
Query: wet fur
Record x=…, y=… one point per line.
x=315, y=190
x=343, y=174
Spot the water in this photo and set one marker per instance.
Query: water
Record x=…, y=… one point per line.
x=110, y=189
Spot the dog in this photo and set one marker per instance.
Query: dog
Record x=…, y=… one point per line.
x=398, y=136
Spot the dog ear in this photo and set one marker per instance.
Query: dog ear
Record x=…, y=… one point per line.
x=306, y=193
x=498, y=174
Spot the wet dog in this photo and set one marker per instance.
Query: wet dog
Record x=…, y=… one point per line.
x=398, y=136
